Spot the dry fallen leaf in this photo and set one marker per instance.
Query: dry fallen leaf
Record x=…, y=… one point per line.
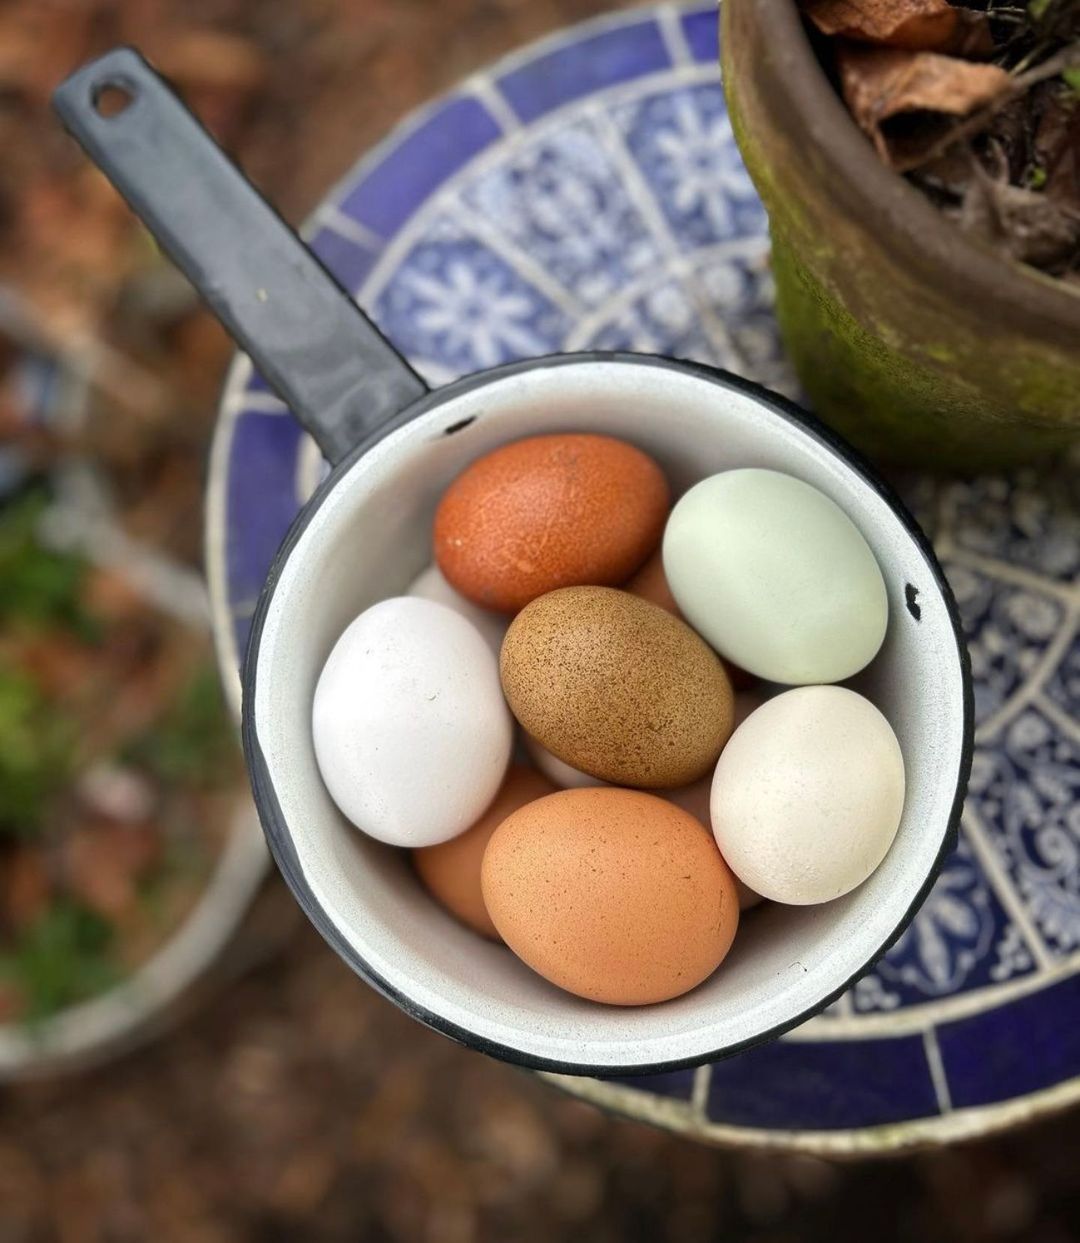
x=916, y=24
x=880, y=83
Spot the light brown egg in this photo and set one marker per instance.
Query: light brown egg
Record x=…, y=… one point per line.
x=548, y=512
x=695, y=799
x=614, y=895
x=451, y=870
x=616, y=687
x=650, y=583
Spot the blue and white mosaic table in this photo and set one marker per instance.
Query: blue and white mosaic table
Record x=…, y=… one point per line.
x=587, y=192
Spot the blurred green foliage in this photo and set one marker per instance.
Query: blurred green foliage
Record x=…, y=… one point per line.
x=68, y=952
x=193, y=743
x=36, y=752
x=60, y=959
x=38, y=587
x=39, y=591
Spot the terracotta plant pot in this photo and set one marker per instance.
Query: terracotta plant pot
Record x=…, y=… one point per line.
x=913, y=340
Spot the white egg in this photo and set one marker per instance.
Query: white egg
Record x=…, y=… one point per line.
x=557, y=771
x=412, y=734
x=776, y=577
x=431, y=584
x=807, y=795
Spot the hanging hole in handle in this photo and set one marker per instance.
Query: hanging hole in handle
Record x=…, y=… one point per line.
x=112, y=98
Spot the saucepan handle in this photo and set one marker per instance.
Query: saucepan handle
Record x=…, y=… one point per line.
x=315, y=347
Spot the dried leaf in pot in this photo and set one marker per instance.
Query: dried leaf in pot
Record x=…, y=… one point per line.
x=880, y=84
x=916, y=24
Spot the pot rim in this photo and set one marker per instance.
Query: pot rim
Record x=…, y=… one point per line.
x=920, y=237
x=276, y=827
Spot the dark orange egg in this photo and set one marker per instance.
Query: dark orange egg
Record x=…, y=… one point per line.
x=549, y=512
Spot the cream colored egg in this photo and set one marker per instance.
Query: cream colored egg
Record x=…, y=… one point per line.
x=808, y=794
x=776, y=576
x=411, y=731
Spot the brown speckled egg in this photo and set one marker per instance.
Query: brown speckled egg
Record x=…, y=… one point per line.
x=613, y=895
x=616, y=687
x=451, y=870
x=547, y=512
x=695, y=800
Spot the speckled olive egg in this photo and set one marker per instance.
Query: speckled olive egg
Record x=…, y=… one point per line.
x=808, y=794
x=616, y=687
x=776, y=577
x=548, y=512
x=557, y=771
x=431, y=584
x=411, y=731
x=614, y=895
x=451, y=870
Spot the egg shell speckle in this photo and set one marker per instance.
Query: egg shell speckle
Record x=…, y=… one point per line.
x=808, y=795
x=613, y=895
x=548, y=512
x=617, y=687
x=451, y=870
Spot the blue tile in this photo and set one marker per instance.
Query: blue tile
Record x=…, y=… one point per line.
x=350, y=261
x=739, y=291
x=1008, y=631
x=683, y=143
x=584, y=67
x=675, y=1085
x=390, y=192
x=1026, y=791
x=824, y=1085
x=661, y=320
x=961, y=939
x=1063, y=686
x=456, y=304
x=562, y=201
x=1030, y=520
x=1007, y=1052
x=702, y=32
x=257, y=384
x=261, y=501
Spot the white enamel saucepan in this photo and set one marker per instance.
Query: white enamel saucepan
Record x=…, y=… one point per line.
x=394, y=446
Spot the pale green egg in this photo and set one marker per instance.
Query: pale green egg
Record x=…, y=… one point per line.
x=775, y=575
